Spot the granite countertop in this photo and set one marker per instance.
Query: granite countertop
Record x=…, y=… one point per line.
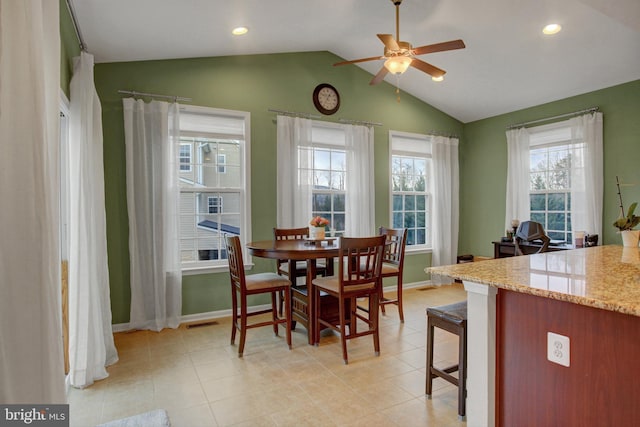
x=606, y=277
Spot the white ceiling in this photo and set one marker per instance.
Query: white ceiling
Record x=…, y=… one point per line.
x=508, y=64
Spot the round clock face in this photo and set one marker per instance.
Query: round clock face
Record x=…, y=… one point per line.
x=326, y=98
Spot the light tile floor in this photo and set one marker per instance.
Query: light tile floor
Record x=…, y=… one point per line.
x=196, y=375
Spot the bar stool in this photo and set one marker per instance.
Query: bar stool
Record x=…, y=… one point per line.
x=451, y=318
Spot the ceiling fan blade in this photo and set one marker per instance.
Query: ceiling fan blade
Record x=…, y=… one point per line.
x=357, y=60
x=427, y=68
x=389, y=42
x=379, y=77
x=439, y=47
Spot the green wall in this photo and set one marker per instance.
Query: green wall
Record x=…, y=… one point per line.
x=483, y=163
x=69, y=47
x=286, y=81
x=254, y=84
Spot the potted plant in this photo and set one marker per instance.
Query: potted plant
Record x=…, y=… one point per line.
x=627, y=223
x=317, y=227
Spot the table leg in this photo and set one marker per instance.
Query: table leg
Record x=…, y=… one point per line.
x=292, y=279
x=311, y=274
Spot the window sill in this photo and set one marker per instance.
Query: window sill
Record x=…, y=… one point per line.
x=209, y=269
x=415, y=251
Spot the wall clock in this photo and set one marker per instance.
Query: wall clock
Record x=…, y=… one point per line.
x=326, y=98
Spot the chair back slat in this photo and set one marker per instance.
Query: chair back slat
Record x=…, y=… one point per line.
x=360, y=261
x=236, y=266
x=290, y=233
x=396, y=244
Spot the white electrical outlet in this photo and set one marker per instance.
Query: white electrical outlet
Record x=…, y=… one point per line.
x=558, y=349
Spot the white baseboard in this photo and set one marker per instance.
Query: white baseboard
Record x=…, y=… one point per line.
x=219, y=314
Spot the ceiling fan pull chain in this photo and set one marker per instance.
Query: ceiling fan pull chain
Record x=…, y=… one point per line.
x=398, y=88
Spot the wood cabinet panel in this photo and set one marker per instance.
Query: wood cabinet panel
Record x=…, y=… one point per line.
x=600, y=388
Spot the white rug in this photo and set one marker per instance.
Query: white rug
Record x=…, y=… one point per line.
x=156, y=418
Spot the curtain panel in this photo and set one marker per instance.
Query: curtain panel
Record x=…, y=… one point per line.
x=360, y=200
x=153, y=197
x=295, y=180
x=446, y=190
x=517, y=197
x=31, y=354
x=587, y=173
x=91, y=345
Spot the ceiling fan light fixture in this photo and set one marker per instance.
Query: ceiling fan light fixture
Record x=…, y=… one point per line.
x=397, y=64
x=552, y=29
x=238, y=31
x=438, y=79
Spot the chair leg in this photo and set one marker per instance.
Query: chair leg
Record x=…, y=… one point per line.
x=280, y=302
x=287, y=303
x=274, y=313
x=429, y=382
x=234, y=317
x=384, y=313
x=399, y=296
x=316, y=316
x=343, y=329
x=462, y=373
x=373, y=318
x=243, y=327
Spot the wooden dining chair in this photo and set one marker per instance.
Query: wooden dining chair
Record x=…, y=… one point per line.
x=393, y=265
x=359, y=276
x=282, y=265
x=261, y=283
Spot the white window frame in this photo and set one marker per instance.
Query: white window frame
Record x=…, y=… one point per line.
x=422, y=150
x=187, y=165
x=548, y=137
x=201, y=267
x=221, y=161
x=216, y=205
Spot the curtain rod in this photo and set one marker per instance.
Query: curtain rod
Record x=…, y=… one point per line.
x=294, y=114
x=76, y=27
x=445, y=134
x=154, y=95
x=575, y=113
x=359, y=122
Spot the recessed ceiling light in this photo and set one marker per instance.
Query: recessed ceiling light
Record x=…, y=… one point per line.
x=238, y=31
x=551, y=29
x=437, y=79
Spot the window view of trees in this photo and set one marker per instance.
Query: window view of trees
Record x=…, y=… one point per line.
x=550, y=190
x=410, y=197
x=329, y=187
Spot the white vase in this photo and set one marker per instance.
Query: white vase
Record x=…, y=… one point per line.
x=316, y=233
x=630, y=238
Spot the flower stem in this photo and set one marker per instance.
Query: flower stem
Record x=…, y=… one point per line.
x=620, y=197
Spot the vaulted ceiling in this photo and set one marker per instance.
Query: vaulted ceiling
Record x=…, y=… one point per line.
x=508, y=64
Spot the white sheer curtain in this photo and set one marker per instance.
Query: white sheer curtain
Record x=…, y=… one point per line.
x=153, y=197
x=360, y=200
x=31, y=355
x=446, y=196
x=518, y=204
x=91, y=346
x=295, y=180
x=586, y=173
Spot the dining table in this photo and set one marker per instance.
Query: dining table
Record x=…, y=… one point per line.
x=309, y=250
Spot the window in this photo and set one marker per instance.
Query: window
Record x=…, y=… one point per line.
x=185, y=157
x=217, y=142
x=328, y=194
x=222, y=161
x=215, y=204
x=328, y=169
x=550, y=179
x=410, y=193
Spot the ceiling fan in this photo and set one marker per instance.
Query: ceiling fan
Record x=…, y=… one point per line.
x=399, y=55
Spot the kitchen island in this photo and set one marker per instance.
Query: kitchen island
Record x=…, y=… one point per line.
x=591, y=296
